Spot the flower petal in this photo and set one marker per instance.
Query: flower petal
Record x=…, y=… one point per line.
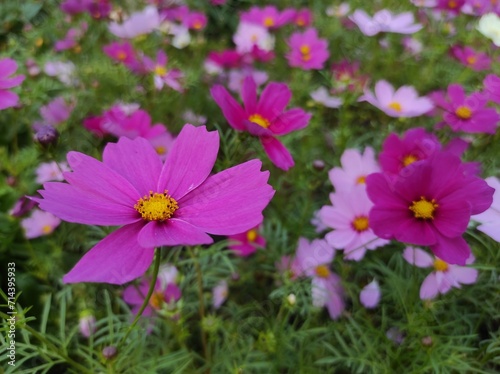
x=234, y=113
x=172, y=232
x=291, y=120
x=277, y=152
x=116, y=259
x=454, y=251
x=273, y=100
x=418, y=257
x=429, y=287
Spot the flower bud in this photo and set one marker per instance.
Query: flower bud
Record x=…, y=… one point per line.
x=46, y=135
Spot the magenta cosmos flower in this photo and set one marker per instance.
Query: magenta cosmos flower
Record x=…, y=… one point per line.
x=469, y=57
x=444, y=277
x=429, y=203
x=385, y=21
x=307, y=50
x=467, y=114
x=246, y=243
x=265, y=117
x=175, y=203
x=8, y=67
x=490, y=219
x=404, y=102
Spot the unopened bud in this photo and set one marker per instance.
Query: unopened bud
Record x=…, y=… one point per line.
x=46, y=135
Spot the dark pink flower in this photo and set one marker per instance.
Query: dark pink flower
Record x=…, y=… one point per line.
x=307, y=50
x=246, y=243
x=492, y=88
x=7, y=68
x=156, y=204
x=195, y=21
x=467, y=113
x=121, y=52
x=303, y=17
x=56, y=112
x=39, y=224
x=469, y=57
x=265, y=117
x=268, y=16
x=429, y=203
x=452, y=6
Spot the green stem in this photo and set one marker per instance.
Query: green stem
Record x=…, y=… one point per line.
x=201, y=309
x=156, y=269
x=55, y=350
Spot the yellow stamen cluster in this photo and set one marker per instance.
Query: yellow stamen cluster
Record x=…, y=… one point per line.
x=409, y=159
x=305, y=51
x=160, y=70
x=252, y=236
x=161, y=150
x=361, y=179
x=197, y=25
x=463, y=112
x=440, y=265
x=47, y=229
x=471, y=60
x=259, y=120
x=395, y=106
x=121, y=56
x=268, y=22
x=452, y=4
x=156, y=300
x=423, y=208
x=360, y=223
x=156, y=206
x=322, y=271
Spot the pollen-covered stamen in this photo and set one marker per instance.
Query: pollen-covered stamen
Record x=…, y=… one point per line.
x=322, y=271
x=252, y=235
x=305, y=51
x=471, y=60
x=47, y=229
x=440, y=265
x=463, y=112
x=157, y=299
x=452, y=4
x=160, y=70
x=395, y=106
x=259, y=120
x=121, y=55
x=269, y=22
x=361, y=179
x=409, y=159
x=360, y=223
x=423, y=208
x=156, y=206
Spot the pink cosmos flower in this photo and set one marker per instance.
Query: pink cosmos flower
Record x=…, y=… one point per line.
x=71, y=38
x=346, y=77
x=313, y=260
x=226, y=59
x=303, y=17
x=444, y=277
x=349, y=218
x=138, y=23
x=237, y=77
x=429, y=203
x=249, y=35
x=22, y=206
x=7, y=68
x=56, y=112
x=39, y=224
x=404, y=102
x=322, y=96
x=451, y=6
x=338, y=11
x=175, y=203
x=162, y=75
x=121, y=52
x=64, y=71
x=492, y=88
x=412, y=45
x=469, y=57
x=246, y=243
x=490, y=219
x=195, y=20
x=468, y=114
x=265, y=117
x=355, y=168
x=370, y=295
x=385, y=21
x=269, y=16
x=307, y=50
x=87, y=324
x=75, y=6
x=219, y=294
x=51, y=171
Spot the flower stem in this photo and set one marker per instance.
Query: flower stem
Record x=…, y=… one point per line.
x=156, y=269
x=201, y=309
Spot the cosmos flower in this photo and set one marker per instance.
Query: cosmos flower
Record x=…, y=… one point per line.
x=51, y=171
x=490, y=219
x=348, y=216
x=265, y=117
x=247, y=242
x=219, y=294
x=248, y=35
x=121, y=52
x=307, y=50
x=355, y=167
x=385, y=21
x=477, y=61
x=269, y=16
x=492, y=88
x=39, y=224
x=429, y=204
x=444, y=277
x=322, y=96
x=404, y=102
x=175, y=203
x=139, y=23
x=56, y=112
x=162, y=75
x=7, y=68
x=370, y=295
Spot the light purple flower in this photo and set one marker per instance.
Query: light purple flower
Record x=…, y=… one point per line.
x=162, y=75
x=249, y=35
x=219, y=294
x=56, y=112
x=64, y=71
x=51, y=171
x=490, y=219
x=87, y=324
x=444, y=277
x=385, y=21
x=7, y=68
x=322, y=96
x=237, y=77
x=138, y=23
x=39, y=224
x=404, y=102
x=370, y=295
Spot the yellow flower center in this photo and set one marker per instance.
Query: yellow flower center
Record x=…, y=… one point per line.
x=46, y=229
x=361, y=179
x=395, y=106
x=156, y=206
x=252, y=235
x=197, y=25
x=77, y=48
x=160, y=70
x=471, y=60
x=452, y=4
x=409, y=159
x=423, y=208
x=268, y=21
x=39, y=42
x=156, y=300
x=463, y=112
x=121, y=56
x=161, y=150
x=259, y=120
x=322, y=271
x=300, y=21
x=305, y=50
x=440, y=265
x=361, y=223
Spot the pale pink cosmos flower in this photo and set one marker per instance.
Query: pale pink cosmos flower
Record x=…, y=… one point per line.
x=322, y=96
x=249, y=35
x=490, y=219
x=138, y=23
x=308, y=51
x=313, y=260
x=39, y=224
x=8, y=67
x=219, y=294
x=385, y=21
x=404, y=102
x=355, y=167
x=236, y=78
x=444, y=277
x=338, y=11
x=269, y=16
x=64, y=71
x=51, y=171
x=56, y=112
x=370, y=295
x=161, y=75
x=87, y=324
x=348, y=216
